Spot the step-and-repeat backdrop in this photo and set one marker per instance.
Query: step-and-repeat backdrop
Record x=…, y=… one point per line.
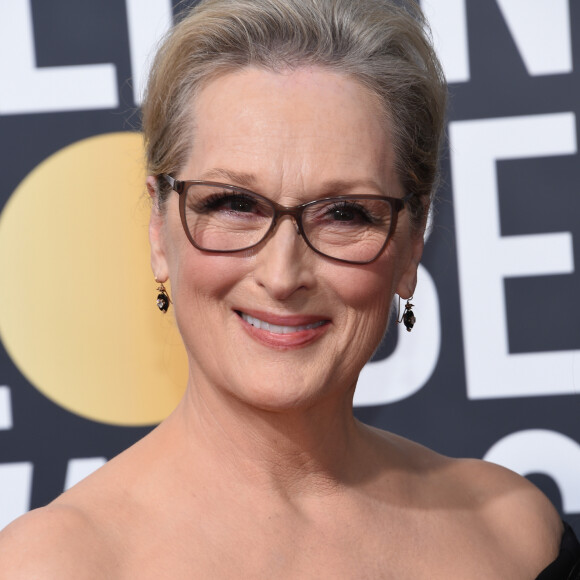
x=87, y=363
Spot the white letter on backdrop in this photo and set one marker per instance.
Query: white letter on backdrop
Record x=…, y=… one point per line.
x=485, y=257
x=15, y=490
x=78, y=469
x=27, y=89
x=5, y=409
x=412, y=363
x=448, y=22
x=541, y=31
x=148, y=21
x=543, y=451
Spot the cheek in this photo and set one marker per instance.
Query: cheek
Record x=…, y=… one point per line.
x=200, y=289
x=194, y=275
x=365, y=290
x=366, y=295
x=201, y=278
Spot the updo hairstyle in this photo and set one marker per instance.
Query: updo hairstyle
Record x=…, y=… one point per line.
x=382, y=44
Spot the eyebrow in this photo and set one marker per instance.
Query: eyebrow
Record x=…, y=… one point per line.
x=247, y=180
x=344, y=186
x=333, y=187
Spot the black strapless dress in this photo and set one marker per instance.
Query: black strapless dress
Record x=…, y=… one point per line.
x=567, y=565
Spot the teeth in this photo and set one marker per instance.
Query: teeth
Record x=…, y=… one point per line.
x=256, y=322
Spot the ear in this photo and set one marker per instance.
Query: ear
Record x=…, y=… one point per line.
x=408, y=280
x=157, y=234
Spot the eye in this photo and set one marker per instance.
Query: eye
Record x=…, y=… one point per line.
x=348, y=211
x=229, y=202
x=361, y=213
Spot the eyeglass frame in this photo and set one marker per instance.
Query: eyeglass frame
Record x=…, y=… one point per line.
x=396, y=203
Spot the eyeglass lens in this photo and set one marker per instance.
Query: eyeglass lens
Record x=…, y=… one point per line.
x=227, y=220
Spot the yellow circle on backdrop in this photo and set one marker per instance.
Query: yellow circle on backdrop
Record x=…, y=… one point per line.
x=77, y=302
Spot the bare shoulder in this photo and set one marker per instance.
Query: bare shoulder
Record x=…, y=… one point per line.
x=507, y=517
x=499, y=500
x=485, y=508
x=511, y=515
x=497, y=496
x=57, y=541
x=510, y=502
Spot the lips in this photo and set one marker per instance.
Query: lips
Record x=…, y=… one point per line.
x=283, y=331
x=279, y=329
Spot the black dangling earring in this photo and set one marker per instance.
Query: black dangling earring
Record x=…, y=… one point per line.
x=408, y=318
x=163, y=300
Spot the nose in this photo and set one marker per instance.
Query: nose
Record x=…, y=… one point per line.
x=284, y=263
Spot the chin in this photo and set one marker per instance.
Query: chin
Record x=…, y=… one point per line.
x=284, y=395
x=279, y=398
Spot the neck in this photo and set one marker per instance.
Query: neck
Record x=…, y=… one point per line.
x=293, y=452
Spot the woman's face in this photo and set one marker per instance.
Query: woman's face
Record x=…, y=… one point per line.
x=292, y=137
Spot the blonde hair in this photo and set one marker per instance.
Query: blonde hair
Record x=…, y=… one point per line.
x=382, y=44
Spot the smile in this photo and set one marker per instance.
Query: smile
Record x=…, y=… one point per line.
x=277, y=329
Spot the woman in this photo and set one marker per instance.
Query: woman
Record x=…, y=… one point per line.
x=292, y=148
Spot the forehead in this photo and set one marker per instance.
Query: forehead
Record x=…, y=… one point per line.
x=290, y=128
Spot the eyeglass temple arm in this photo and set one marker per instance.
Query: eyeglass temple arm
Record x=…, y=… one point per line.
x=175, y=183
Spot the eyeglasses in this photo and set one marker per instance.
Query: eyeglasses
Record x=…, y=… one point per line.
x=224, y=218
